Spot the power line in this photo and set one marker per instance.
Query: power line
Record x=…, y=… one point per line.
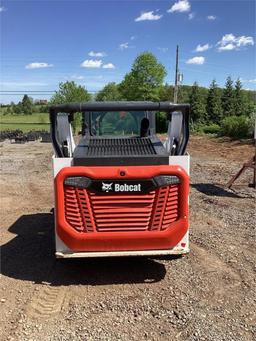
x=32, y=92
x=41, y=91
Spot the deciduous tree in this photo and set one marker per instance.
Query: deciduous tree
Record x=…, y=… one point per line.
x=71, y=92
x=27, y=105
x=144, y=80
x=110, y=92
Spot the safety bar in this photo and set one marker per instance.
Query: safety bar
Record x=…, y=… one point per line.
x=72, y=108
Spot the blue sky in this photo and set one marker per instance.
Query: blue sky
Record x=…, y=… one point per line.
x=95, y=42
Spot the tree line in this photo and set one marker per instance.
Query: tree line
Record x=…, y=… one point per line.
x=25, y=107
x=219, y=110
x=225, y=111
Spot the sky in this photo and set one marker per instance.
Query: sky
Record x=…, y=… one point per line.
x=92, y=43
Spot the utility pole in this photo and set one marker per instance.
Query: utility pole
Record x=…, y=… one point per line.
x=175, y=94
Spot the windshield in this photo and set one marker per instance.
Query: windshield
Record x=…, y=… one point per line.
x=116, y=123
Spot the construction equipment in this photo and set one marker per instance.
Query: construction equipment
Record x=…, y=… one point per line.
x=251, y=164
x=120, y=191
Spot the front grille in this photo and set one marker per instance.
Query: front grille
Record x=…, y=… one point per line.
x=88, y=212
x=122, y=212
x=120, y=146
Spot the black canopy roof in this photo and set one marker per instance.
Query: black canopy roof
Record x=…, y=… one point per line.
x=121, y=105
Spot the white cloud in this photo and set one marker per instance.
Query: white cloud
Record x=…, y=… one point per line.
x=191, y=16
x=94, y=63
x=124, y=46
x=108, y=66
x=243, y=41
x=77, y=77
x=196, y=60
x=163, y=49
x=97, y=54
x=148, y=16
x=37, y=65
x=227, y=47
x=211, y=17
x=21, y=84
x=202, y=48
x=133, y=38
x=228, y=38
x=248, y=80
x=91, y=63
x=180, y=6
x=2, y=9
x=230, y=42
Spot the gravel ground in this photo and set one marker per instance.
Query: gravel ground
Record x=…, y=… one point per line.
x=206, y=295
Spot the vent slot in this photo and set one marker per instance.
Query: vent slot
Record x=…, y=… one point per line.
x=88, y=212
x=120, y=146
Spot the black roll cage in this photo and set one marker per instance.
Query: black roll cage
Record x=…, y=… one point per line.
x=72, y=108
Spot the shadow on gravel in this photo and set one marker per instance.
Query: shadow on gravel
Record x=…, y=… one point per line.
x=213, y=190
x=30, y=256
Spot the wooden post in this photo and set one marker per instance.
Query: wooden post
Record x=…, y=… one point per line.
x=175, y=93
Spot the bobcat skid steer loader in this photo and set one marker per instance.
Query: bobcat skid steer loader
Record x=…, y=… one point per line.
x=120, y=191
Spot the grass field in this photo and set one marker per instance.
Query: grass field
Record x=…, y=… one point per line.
x=24, y=126
x=36, y=121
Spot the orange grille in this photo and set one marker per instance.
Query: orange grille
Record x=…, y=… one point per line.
x=87, y=211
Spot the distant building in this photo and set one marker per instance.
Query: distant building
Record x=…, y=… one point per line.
x=41, y=101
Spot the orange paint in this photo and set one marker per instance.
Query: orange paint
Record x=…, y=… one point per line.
x=86, y=221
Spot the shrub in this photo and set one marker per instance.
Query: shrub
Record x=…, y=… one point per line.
x=237, y=127
x=211, y=129
x=197, y=128
x=203, y=128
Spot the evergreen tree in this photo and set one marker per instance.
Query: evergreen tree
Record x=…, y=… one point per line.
x=228, y=98
x=184, y=93
x=238, y=100
x=213, y=105
x=198, y=111
x=166, y=92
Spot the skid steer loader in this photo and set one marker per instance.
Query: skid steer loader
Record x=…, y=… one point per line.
x=120, y=191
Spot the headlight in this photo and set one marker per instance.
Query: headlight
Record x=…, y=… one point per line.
x=166, y=180
x=77, y=181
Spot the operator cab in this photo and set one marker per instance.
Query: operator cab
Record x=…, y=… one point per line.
x=123, y=133
x=118, y=123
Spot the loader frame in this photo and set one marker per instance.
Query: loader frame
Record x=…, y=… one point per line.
x=61, y=117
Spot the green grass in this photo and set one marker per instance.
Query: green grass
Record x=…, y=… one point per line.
x=34, y=118
x=36, y=121
x=25, y=127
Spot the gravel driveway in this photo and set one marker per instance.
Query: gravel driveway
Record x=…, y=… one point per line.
x=206, y=295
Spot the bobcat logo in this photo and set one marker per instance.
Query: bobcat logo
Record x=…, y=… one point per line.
x=107, y=187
